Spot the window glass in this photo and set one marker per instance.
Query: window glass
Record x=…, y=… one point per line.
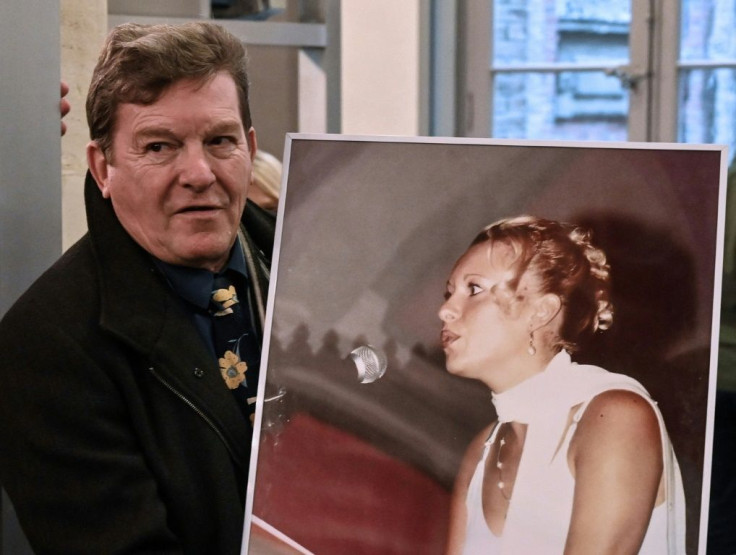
x=707, y=94
x=707, y=100
x=559, y=102
x=571, y=105
x=707, y=30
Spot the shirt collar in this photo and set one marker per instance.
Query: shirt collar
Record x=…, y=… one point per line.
x=195, y=284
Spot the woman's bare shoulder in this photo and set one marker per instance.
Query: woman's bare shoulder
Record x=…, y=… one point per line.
x=619, y=405
x=618, y=415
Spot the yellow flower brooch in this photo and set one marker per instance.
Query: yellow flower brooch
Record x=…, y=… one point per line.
x=232, y=369
x=226, y=298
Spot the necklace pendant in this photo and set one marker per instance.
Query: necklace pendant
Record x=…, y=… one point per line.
x=501, y=485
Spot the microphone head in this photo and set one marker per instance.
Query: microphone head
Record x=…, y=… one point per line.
x=370, y=362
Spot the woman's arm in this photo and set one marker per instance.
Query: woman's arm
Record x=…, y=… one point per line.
x=458, y=512
x=616, y=459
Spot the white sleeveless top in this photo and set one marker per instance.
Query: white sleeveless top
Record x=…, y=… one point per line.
x=539, y=511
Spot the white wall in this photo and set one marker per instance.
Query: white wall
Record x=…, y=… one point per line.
x=384, y=81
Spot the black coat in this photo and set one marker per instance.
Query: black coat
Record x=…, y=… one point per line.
x=116, y=431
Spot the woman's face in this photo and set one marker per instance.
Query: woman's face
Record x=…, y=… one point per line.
x=485, y=326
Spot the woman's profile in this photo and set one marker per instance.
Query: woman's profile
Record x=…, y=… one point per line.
x=578, y=460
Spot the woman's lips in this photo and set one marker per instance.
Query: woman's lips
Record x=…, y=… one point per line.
x=447, y=337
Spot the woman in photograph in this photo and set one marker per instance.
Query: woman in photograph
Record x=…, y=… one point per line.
x=578, y=460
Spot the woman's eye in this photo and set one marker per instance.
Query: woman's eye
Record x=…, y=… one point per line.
x=474, y=289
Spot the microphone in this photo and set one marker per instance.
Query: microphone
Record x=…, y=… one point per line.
x=370, y=362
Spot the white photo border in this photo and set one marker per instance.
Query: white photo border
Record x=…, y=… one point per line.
x=298, y=205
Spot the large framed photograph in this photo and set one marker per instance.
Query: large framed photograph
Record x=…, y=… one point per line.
x=381, y=422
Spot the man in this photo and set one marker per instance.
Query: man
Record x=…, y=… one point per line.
x=119, y=430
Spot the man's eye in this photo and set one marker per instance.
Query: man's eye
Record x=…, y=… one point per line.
x=155, y=147
x=223, y=141
x=222, y=146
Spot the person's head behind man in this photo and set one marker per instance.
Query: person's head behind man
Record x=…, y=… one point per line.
x=172, y=140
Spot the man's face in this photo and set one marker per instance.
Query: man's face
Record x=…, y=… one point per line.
x=179, y=171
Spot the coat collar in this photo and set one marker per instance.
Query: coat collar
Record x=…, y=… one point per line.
x=136, y=314
x=141, y=310
x=134, y=303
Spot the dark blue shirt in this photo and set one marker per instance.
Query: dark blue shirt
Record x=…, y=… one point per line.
x=194, y=286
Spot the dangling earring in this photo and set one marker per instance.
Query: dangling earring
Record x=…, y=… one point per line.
x=532, y=350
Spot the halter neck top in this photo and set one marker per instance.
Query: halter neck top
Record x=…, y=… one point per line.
x=541, y=505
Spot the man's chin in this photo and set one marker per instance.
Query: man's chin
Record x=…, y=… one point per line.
x=211, y=256
x=208, y=261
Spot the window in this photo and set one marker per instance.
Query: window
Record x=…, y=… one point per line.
x=707, y=72
x=599, y=70
x=548, y=69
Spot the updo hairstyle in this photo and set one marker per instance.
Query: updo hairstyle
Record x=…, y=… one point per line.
x=565, y=263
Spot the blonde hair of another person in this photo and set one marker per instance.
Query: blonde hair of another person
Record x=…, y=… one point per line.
x=266, y=185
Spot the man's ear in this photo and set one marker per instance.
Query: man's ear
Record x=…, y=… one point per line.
x=546, y=309
x=250, y=136
x=98, y=167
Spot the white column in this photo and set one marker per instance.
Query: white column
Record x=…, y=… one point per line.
x=384, y=67
x=83, y=29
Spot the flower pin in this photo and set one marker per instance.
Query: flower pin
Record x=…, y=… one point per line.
x=232, y=369
x=225, y=298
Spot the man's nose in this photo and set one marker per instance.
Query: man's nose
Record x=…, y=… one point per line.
x=195, y=169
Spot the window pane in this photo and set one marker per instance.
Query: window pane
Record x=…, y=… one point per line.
x=707, y=30
x=552, y=104
x=707, y=100
x=560, y=30
x=707, y=95
x=570, y=105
